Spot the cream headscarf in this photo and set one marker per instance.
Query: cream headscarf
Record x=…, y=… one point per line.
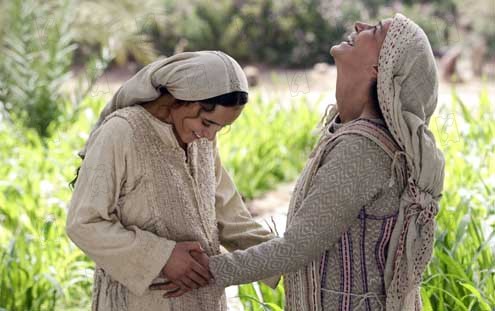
x=190, y=76
x=407, y=93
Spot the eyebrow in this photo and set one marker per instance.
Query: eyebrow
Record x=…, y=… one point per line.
x=213, y=122
x=376, y=26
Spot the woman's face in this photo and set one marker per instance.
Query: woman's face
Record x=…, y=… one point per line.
x=191, y=123
x=362, y=47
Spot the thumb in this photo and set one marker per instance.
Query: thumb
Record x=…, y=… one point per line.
x=194, y=246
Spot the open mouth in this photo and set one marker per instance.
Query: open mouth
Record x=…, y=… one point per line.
x=350, y=40
x=196, y=135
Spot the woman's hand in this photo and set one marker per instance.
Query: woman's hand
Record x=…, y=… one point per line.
x=182, y=271
x=171, y=289
x=203, y=259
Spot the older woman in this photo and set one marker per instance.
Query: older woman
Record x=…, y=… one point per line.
x=151, y=180
x=361, y=222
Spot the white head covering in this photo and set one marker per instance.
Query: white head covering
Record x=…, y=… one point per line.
x=190, y=76
x=407, y=93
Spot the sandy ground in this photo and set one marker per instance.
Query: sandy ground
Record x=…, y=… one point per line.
x=318, y=85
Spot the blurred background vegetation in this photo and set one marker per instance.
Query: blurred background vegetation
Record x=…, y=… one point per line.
x=44, y=44
x=52, y=57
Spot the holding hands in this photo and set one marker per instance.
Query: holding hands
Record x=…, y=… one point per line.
x=186, y=269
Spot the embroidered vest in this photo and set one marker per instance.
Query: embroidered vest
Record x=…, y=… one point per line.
x=182, y=200
x=302, y=288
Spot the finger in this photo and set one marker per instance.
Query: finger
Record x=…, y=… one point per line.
x=182, y=285
x=176, y=293
x=193, y=246
x=199, y=269
x=197, y=279
x=202, y=258
x=189, y=284
x=168, y=286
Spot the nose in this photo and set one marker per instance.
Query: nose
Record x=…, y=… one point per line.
x=209, y=133
x=359, y=26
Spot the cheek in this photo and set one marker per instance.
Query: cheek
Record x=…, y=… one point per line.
x=192, y=125
x=368, y=49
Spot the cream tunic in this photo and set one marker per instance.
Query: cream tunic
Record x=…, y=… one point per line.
x=108, y=217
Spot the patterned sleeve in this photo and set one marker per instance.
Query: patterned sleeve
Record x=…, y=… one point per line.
x=236, y=228
x=351, y=175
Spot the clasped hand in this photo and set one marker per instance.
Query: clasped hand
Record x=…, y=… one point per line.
x=186, y=269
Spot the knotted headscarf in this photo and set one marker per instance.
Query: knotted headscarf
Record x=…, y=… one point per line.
x=189, y=76
x=407, y=93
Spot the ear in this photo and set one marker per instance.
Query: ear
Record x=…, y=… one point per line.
x=374, y=71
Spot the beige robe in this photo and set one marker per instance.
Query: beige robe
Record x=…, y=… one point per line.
x=111, y=220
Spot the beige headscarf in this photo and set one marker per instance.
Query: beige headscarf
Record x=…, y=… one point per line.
x=407, y=92
x=190, y=76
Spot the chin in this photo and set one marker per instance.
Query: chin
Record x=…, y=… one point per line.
x=340, y=49
x=337, y=51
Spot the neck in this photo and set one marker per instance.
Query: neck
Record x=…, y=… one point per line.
x=160, y=108
x=353, y=99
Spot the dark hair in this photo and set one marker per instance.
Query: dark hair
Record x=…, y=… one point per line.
x=374, y=97
x=73, y=182
x=233, y=99
x=236, y=98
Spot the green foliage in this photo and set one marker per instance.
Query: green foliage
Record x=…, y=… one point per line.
x=289, y=33
x=260, y=297
x=39, y=268
x=268, y=144
x=461, y=275
x=293, y=33
x=35, y=59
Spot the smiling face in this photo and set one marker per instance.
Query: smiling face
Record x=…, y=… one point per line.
x=362, y=47
x=192, y=121
x=356, y=60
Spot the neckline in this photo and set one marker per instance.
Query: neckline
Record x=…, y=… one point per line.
x=337, y=125
x=169, y=127
x=155, y=119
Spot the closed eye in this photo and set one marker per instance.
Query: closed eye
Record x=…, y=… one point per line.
x=375, y=28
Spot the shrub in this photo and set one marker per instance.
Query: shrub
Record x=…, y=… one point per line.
x=35, y=59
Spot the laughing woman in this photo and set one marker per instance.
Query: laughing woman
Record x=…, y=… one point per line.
x=151, y=180
x=361, y=221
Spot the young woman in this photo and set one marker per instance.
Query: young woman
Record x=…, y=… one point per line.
x=151, y=180
x=361, y=222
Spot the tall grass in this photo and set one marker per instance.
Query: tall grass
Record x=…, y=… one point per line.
x=269, y=143
x=41, y=270
x=461, y=275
